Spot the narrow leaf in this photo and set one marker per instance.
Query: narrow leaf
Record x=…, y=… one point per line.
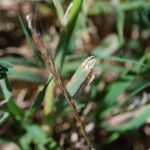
x=3, y=117
x=141, y=115
x=81, y=75
x=39, y=99
x=120, y=26
x=6, y=89
x=67, y=31
x=59, y=10
x=29, y=40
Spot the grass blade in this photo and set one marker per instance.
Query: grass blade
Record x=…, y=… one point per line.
x=29, y=40
x=141, y=115
x=108, y=111
x=28, y=74
x=41, y=139
x=67, y=31
x=59, y=10
x=39, y=99
x=120, y=26
x=116, y=89
x=6, y=89
x=80, y=76
x=15, y=111
x=19, y=61
x=3, y=117
x=107, y=47
x=12, y=107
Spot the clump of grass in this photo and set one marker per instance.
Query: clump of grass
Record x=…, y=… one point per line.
x=119, y=65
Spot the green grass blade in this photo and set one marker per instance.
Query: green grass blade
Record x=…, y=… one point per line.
x=80, y=76
x=41, y=139
x=107, y=47
x=19, y=61
x=7, y=92
x=133, y=5
x=6, y=69
x=49, y=99
x=59, y=10
x=119, y=59
x=67, y=31
x=72, y=18
x=15, y=111
x=3, y=117
x=120, y=26
x=102, y=7
x=108, y=111
x=12, y=107
x=29, y=40
x=116, y=89
x=39, y=99
x=141, y=115
x=6, y=89
x=28, y=76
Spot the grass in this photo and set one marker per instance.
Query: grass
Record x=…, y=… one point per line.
x=86, y=78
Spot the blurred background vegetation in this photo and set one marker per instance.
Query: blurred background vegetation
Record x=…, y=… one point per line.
x=115, y=106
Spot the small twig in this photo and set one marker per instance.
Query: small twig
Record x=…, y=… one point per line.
x=47, y=56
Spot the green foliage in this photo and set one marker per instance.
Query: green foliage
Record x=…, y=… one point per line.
x=38, y=101
x=29, y=40
x=6, y=68
x=4, y=116
x=65, y=36
x=141, y=116
x=7, y=92
x=80, y=76
x=122, y=73
x=34, y=132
